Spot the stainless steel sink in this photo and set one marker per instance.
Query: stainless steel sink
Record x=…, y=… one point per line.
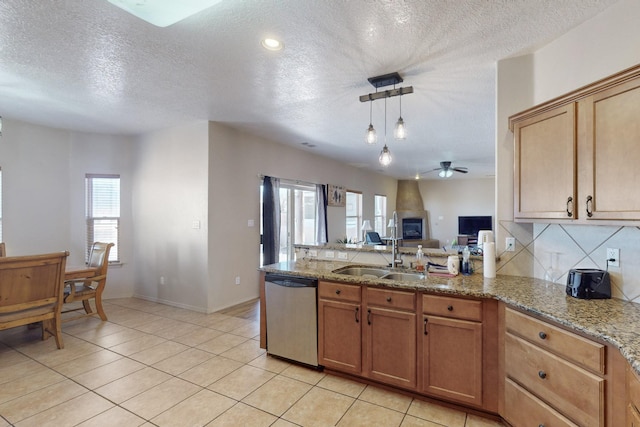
x=362, y=271
x=407, y=277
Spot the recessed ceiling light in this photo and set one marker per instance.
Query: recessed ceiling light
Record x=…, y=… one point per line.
x=163, y=13
x=272, y=44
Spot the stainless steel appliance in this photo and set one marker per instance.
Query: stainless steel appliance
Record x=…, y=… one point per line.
x=588, y=283
x=292, y=317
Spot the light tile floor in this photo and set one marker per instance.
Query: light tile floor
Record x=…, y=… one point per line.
x=155, y=365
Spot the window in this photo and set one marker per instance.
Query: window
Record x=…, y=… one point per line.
x=354, y=216
x=380, y=214
x=103, y=212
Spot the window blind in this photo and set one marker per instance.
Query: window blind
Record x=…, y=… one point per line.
x=103, y=212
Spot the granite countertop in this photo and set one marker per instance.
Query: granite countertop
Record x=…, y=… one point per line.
x=614, y=321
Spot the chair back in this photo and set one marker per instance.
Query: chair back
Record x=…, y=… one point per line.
x=373, y=238
x=3, y=250
x=99, y=257
x=31, y=287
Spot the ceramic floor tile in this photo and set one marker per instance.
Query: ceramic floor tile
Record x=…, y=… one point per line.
x=249, y=331
x=239, y=383
x=86, y=363
x=73, y=349
x=127, y=387
x=342, y=385
x=136, y=346
x=198, y=336
x=119, y=336
x=222, y=343
x=137, y=318
x=363, y=414
x=115, y=416
x=105, y=374
x=232, y=323
x=243, y=415
x=476, y=421
x=69, y=413
x=23, y=367
x=10, y=358
x=210, y=371
x=160, y=398
x=411, y=421
x=319, y=407
x=28, y=384
x=197, y=410
x=157, y=325
x=388, y=399
x=159, y=352
x=245, y=352
x=283, y=423
x=304, y=374
x=277, y=395
x=269, y=363
x=31, y=404
x=436, y=413
x=184, y=361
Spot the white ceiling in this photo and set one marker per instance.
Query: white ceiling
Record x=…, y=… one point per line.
x=87, y=65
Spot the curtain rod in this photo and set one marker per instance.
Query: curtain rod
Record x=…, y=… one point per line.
x=296, y=181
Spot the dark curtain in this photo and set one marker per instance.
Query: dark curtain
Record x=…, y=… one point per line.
x=322, y=229
x=270, y=220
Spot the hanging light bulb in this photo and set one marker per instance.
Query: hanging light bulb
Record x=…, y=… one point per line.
x=400, y=131
x=370, y=136
x=385, y=156
x=445, y=173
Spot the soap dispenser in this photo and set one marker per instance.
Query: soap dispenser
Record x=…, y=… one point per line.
x=419, y=259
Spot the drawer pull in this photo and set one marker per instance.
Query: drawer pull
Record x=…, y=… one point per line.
x=540, y=425
x=570, y=210
x=542, y=335
x=542, y=374
x=337, y=291
x=589, y=206
x=368, y=317
x=450, y=308
x=425, y=326
x=388, y=299
x=357, y=317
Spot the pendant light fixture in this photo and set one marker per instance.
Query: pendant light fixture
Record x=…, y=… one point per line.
x=371, y=137
x=385, y=155
x=400, y=131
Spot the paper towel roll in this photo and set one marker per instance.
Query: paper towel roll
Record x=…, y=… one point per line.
x=489, y=259
x=484, y=236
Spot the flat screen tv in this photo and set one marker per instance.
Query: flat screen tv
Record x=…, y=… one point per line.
x=470, y=225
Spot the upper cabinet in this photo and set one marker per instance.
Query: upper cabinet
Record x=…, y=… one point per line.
x=577, y=156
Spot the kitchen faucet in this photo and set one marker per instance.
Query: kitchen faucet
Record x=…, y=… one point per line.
x=396, y=258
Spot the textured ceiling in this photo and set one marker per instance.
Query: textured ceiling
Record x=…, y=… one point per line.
x=88, y=65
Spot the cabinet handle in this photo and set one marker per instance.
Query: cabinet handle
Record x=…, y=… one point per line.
x=388, y=299
x=542, y=374
x=357, y=312
x=542, y=335
x=589, y=206
x=570, y=203
x=337, y=291
x=540, y=425
x=425, y=326
x=368, y=317
x=450, y=308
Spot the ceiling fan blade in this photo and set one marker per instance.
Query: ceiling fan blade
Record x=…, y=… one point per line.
x=461, y=169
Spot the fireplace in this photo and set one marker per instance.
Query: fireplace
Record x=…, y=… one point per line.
x=412, y=228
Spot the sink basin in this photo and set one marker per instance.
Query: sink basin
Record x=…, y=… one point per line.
x=403, y=276
x=362, y=271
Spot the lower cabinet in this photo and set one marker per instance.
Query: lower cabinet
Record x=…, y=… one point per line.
x=452, y=348
x=633, y=400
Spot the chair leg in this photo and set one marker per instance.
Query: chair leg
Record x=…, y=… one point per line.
x=87, y=306
x=53, y=327
x=99, y=308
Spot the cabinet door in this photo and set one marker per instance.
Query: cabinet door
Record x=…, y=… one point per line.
x=609, y=154
x=339, y=336
x=545, y=165
x=452, y=352
x=391, y=346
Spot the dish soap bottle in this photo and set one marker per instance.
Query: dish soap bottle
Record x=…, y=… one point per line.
x=419, y=259
x=466, y=266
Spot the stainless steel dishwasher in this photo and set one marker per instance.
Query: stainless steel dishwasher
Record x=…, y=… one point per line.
x=292, y=317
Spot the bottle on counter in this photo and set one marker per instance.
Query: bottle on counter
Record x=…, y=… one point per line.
x=419, y=259
x=466, y=262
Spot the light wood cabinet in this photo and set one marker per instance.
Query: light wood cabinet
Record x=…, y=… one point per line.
x=452, y=348
x=633, y=398
x=576, y=156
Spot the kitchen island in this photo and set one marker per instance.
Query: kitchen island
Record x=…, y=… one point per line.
x=613, y=325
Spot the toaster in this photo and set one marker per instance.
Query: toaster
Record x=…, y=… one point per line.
x=588, y=283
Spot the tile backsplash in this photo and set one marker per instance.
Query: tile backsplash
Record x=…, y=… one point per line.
x=562, y=247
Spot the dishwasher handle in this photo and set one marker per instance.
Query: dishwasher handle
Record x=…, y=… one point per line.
x=291, y=281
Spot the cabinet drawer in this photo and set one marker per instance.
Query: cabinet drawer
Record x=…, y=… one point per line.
x=584, y=352
x=571, y=390
x=633, y=388
x=452, y=307
x=339, y=291
x=524, y=409
x=391, y=299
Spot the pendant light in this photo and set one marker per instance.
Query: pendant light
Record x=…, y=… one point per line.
x=385, y=155
x=370, y=136
x=400, y=132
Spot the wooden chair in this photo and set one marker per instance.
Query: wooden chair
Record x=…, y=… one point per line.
x=88, y=288
x=3, y=250
x=31, y=291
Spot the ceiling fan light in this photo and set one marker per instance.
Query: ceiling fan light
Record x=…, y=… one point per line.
x=445, y=173
x=385, y=156
x=400, y=131
x=371, y=137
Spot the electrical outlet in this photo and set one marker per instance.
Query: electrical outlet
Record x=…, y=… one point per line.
x=510, y=244
x=162, y=280
x=237, y=280
x=313, y=252
x=342, y=255
x=328, y=254
x=613, y=254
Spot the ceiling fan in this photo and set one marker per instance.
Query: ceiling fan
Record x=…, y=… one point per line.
x=446, y=170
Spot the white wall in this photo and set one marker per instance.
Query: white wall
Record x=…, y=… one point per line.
x=43, y=172
x=445, y=200
x=604, y=45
